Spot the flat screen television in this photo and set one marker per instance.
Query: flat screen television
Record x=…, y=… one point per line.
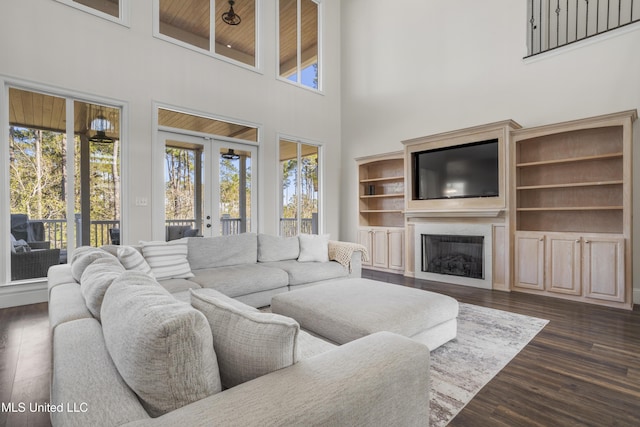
x=461, y=171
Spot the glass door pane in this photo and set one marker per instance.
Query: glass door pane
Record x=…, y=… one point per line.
x=235, y=189
x=184, y=185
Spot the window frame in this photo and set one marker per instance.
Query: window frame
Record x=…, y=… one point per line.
x=124, y=11
x=70, y=97
x=320, y=61
x=212, y=53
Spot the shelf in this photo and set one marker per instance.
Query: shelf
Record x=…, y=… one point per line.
x=380, y=196
x=381, y=211
x=571, y=160
x=579, y=208
x=568, y=185
x=381, y=179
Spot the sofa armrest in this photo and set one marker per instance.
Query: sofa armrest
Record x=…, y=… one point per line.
x=381, y=379
x=350, y=255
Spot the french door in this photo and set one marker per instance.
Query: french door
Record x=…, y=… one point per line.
x=210, y=184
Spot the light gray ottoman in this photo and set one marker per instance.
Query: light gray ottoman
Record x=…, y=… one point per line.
x=344, y=310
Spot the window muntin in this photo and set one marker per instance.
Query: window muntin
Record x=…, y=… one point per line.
x=197, y=24
x=298, y=42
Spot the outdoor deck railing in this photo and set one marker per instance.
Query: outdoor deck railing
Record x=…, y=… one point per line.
x=55, y=230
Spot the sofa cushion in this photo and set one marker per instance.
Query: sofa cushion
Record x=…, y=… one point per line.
x=275, y=248
x=178, y=285
x=132, y=259
x=212, y=293
x=300, y=273
x=168, y=260
x=221, y=251
x=83, y=256
x=238, y=280
x=314, y=247
x=95, y=281
x=162, y=348
x=248, y=344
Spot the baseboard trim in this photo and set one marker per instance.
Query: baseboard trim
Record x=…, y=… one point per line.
x=636, y=296
x=23, y=294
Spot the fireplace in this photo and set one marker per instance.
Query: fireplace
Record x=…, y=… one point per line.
x=453, y=255
x=454, y=252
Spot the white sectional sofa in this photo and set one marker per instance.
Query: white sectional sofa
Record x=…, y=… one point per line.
x=132, y=350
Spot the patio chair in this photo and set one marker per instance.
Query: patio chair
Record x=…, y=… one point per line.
x=28, y=265
x=31, y=232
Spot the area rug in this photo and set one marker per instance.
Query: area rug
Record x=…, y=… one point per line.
x=487, y=340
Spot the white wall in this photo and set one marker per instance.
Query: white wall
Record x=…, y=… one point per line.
x=53, y=44
x=416, y=68
x=47, y=43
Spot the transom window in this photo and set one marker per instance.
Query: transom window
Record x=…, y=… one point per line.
x=199, y=25
x=298, y=41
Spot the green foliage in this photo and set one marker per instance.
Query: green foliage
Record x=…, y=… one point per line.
x=308, y=187
x=38, y=177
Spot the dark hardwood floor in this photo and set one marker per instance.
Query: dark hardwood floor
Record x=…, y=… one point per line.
x=582, y=369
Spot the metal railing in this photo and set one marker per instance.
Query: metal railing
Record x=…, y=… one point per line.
x=289, y=226
x=557, y=23
x=55, y=230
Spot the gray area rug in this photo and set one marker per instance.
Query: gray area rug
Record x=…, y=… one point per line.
x=487, y=340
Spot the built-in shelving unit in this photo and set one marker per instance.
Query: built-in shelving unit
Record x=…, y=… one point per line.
x=381, y=195
x=381, y=191
x=572, y=207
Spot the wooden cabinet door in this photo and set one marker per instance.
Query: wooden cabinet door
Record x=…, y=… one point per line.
x=563, y=260
x=380, y=252
x=396, y=249
x=529, y=261
x=603, y=269
x=365, y=239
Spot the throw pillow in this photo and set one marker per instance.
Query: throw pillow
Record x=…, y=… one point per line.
x=275, y=248
x=132, y=259
x=162, y=348
x=95, y=281
x=248, y=344
x=168, y=260
x=314, y=248
x=83, y=256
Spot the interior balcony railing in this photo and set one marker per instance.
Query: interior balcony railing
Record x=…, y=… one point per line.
x=557, y=23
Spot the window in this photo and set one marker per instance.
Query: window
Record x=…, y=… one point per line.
x=113, y=10
x=299, y=48
x=557, y=23
x=198, y=24
x=300, y=182
x=64, y=178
